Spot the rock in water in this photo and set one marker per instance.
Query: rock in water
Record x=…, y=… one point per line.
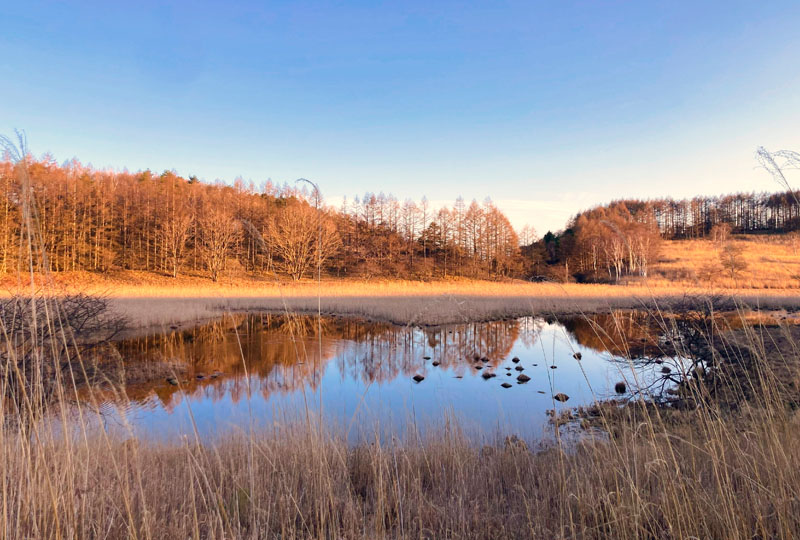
x=418, y=378
x=488, y=375
x=577, y=356
x=519, y=368
x=553, y=367
x=665, y=369
x=505, y=385
x=426, y=357
x=435, y=363
x=523, y=378
x=620, y=387
x=515, y=360
x=561, y=397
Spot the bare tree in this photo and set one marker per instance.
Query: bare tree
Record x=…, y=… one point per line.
x=301, y=236
x=732, y=259
x=218, y=233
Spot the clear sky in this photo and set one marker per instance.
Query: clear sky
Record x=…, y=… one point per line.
x=546, y=107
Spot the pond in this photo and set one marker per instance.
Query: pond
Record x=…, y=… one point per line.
x=246, y=371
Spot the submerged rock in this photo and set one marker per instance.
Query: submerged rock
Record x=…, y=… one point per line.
x=488, y=375
x=435, y=363
x=561, y=397
x=426, y=357
x=523, y=378
x=506, y=385
x=515, y=360
x=418, y=378
x=553, y=367
x=519, y=368
x=620, y=387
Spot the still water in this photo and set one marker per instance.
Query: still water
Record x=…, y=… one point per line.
x=247, y=371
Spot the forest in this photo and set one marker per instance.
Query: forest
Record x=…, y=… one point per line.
x=101, y=221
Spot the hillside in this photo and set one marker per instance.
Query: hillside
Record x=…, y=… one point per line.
x=769, y=262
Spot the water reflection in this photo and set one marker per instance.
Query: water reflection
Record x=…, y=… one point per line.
x=265, y=365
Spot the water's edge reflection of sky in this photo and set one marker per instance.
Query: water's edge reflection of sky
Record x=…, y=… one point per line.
x=248, y=371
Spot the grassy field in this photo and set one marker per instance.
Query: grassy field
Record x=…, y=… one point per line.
x=770, y=262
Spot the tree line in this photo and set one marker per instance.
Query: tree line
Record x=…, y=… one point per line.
x=96, y=220
x=622, y=238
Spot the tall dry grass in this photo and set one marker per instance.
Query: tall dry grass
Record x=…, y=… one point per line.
x=723, y=469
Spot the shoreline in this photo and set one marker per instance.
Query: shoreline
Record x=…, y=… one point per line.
x=153, y=304
x=156, y=313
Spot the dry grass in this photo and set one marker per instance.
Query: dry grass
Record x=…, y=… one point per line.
x=773, y=262
x=705, y=473
x=155, y=301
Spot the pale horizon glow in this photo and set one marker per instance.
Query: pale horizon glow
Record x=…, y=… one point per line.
x=546, y=108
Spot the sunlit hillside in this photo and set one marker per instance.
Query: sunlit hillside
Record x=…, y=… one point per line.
x=764, y=261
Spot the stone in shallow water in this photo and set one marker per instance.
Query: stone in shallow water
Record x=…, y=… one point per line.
x=418, y=378
x=620, y=387
x=665, y=369
x=435, y=363
x=561, y=397
x=577, y=356
x=488, y=375
x=515, y=360
x=553, y=367
x=519, y=368
x=523, y=378
x=426, y=357
x=505, y=385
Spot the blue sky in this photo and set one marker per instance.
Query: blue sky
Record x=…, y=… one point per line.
x=546, y=107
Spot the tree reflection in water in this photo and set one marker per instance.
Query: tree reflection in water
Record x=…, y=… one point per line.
x=281, y=353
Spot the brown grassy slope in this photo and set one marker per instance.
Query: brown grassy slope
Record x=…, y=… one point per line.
x=772, y=262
